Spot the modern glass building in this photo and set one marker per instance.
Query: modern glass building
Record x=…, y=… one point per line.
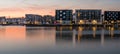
x=33, y=19
x=64, y=16
x=88, y=16
x=111, y=17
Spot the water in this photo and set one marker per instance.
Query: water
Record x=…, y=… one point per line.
x=59, y=40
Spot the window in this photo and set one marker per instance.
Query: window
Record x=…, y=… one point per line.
x=60, y=14
x=57, y=12
x=111, y=18
x=63, y=17
x=85, y=15
x=60, y=11
x=64, y=13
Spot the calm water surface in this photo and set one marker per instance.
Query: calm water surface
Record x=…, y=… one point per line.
x=59, y=40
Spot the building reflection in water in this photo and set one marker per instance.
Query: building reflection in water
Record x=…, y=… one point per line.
x=43, y=37
x=90, y=36
x=2, y=33
x=87, y=36
x=40, y=36
x=29, y=40
x=64, y=36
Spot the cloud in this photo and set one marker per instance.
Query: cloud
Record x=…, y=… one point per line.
x=43, y=7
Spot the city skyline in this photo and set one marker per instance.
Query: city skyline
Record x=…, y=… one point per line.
x=18, y=8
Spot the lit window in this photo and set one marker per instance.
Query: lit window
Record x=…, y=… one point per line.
x=64, y=13
x=94, y=22
x=60, y=11
x=60, y=14
x=78, y=14
x=81, y=22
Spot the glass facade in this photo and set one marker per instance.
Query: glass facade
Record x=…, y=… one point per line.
x=112, y=15
x=88, y=15
x=33, y=18
x=64, y=15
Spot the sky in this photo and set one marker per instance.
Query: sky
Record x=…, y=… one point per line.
x=18, y=8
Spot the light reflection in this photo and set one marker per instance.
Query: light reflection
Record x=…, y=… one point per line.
x=95, y=35
x=94, y=31
x=2, y=32
x=64, y=36
x=80, y=33
x=43, y=37
x=109, y=30
x=112, y=32
x=102, y=37
x=15, y=33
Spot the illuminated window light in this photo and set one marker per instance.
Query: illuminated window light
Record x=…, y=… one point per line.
x=94, y=22
x=81, y=22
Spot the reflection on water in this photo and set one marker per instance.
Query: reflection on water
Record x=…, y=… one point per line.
x=90, y=36
x=59, y=40
x=41, y=36
x=12, y=33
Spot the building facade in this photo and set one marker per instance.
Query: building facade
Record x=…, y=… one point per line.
x=33, y=19
x=88, y=16
x=48, y=19
x=64, y=16
x=18, y=20
x=112, y=17
x=2, y=20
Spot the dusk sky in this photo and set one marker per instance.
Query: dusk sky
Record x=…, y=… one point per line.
x=18, y=8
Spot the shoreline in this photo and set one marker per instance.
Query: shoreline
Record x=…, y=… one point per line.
x=54, y=25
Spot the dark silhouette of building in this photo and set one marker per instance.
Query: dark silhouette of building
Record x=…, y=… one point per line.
x=112, y=17
x=64, y=16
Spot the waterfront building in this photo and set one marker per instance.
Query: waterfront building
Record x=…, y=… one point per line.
x=74, y=19
x=64, y=16
x=17, y=20
x=2, y=20
x=48, y=19
x=88, y=16
x=33, y=19
x=112, y=17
